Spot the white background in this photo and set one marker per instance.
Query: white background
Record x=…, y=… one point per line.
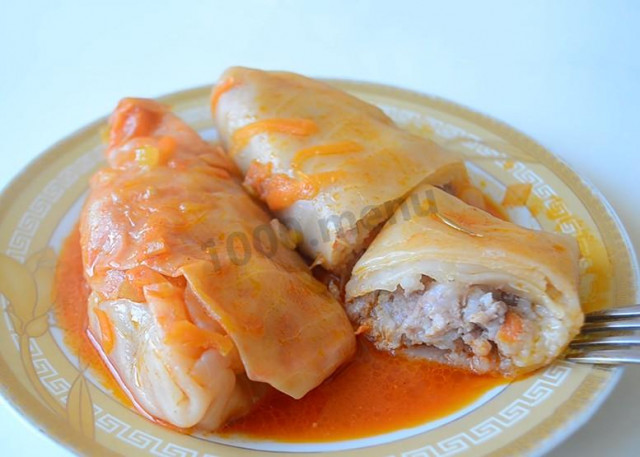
x=565, y=72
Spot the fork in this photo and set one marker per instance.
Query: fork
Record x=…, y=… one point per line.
x=605, y=337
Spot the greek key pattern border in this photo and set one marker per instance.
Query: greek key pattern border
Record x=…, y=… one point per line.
x=510, y=415
x=138, y=439
x=39, y=208
x=18, y=248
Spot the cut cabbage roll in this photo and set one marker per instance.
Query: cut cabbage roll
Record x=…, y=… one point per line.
x=196, y=298
x=331, y=167
x=466, y=288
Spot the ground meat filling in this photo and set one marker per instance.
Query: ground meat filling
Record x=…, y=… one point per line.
x=470, y=325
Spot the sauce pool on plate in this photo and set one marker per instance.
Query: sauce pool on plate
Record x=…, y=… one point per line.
x=375, y=393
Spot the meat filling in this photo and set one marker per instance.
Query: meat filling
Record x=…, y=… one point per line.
x=473, y=326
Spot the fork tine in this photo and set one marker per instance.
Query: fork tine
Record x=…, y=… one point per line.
x=606, y=357
x=632, y=323
x=625, y=311
x=617, y=340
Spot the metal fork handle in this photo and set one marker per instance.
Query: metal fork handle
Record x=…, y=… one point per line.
x=625, y=311
x=617, y=340
x=609, y=349
x=606, y=357
x=632, y=323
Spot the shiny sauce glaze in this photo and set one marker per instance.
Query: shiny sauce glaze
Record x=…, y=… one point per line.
x=70, y=295
x=375, y=393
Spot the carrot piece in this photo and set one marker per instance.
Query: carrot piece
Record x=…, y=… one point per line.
x=512, y=328
x=278, y=190
x=295, y=127
x=191, y=337
x=106, y=330
x=219, y=90
x=283, y=191
x=342, y=147
x=326, y=178
x=131, y=286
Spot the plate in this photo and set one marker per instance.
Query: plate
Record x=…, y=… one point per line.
x=44, y=381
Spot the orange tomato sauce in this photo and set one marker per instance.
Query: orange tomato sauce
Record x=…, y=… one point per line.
x=375, y=393
x=70, y=295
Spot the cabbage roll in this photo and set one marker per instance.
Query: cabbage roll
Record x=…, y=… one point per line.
x=451, y=282
x=198, y=300
x=332, y=167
